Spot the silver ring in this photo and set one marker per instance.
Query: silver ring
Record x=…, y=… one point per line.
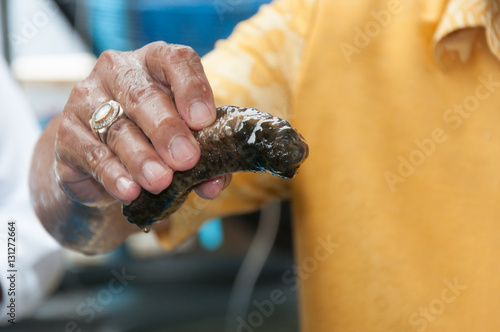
x=104, y=117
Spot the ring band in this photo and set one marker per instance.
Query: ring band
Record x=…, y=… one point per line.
x=104, y=117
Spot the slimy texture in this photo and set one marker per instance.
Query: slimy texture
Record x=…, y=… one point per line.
x=241, y=140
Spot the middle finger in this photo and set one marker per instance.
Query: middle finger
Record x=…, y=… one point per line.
x=131, y=146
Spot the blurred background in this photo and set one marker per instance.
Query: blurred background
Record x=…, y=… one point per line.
x=227, y=278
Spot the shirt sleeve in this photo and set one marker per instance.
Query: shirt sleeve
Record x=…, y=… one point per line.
x=38, y=263
x=257, y=66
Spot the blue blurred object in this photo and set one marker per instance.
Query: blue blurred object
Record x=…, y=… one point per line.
x=211, y=234
x=107, y=23
x=197, y=23
x=130, y=24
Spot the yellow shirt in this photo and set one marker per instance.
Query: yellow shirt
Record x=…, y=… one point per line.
x=397, y=209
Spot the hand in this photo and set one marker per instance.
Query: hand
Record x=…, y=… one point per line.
x=165, y=94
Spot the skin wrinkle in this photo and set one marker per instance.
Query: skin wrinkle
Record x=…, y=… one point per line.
x=190, y=62
x=187, y=78
x=190, y=65
x=125, y=133
x=131, y=86
x=65, y=150
x=168, y=121
x=152, y=70
x=159, y=53
x=138, y=117
x=114, y=130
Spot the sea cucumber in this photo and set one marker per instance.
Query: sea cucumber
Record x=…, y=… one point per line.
x=242, y=139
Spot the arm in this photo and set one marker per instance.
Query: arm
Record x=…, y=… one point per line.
x=78, y=182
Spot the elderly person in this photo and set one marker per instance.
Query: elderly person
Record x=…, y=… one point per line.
x=396, y=211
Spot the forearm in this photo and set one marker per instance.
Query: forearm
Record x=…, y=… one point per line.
x=76, y=226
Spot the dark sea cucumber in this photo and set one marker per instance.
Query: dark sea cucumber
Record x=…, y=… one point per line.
x=242, y=139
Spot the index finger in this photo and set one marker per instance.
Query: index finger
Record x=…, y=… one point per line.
x=179, y=68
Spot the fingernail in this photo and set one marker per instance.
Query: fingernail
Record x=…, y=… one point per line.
x=123, y=185
x=199, y=113
x=182, y=149
x=153, y=171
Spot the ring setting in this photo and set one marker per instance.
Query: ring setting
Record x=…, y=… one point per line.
x=104, y=117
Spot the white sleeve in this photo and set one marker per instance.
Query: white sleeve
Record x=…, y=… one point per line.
x=38, y=256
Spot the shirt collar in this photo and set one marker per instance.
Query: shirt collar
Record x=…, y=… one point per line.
x=460, y=23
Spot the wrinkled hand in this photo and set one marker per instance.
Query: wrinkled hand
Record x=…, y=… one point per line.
x=164, y=93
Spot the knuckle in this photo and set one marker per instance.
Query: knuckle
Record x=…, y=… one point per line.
x=80, y=90
x=65, y=126
x=65, y=133
x=171, y=124
x=120, y=133
x=108, y=57
x=194, y=85
x=78, y=101
x=158, y=48
x=114, y=133
x=159, y=45
x=183, y=52
x=98, y=158
x=138, y=93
